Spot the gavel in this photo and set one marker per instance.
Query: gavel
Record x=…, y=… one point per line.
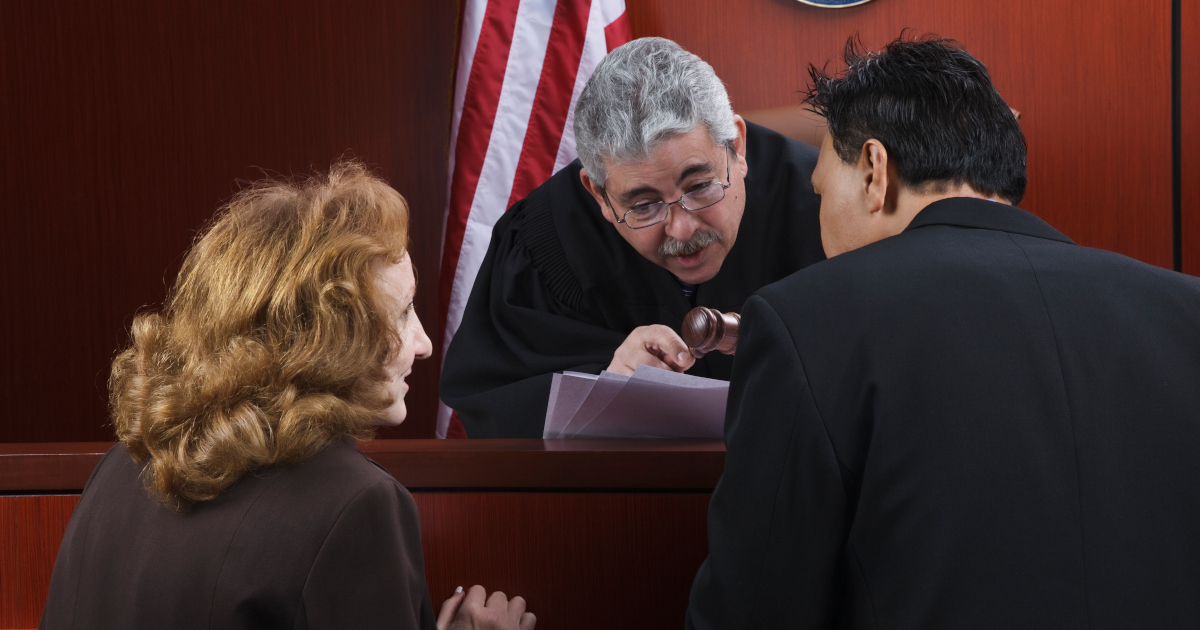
x=707, y=329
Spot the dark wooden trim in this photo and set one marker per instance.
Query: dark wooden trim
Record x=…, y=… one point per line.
x=48, y=466
x=496, y=465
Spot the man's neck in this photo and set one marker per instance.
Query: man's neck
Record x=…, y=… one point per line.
x=909, y=203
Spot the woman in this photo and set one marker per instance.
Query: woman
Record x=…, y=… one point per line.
x=236, y=497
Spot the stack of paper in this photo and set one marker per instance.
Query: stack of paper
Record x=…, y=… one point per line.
x=652, y=403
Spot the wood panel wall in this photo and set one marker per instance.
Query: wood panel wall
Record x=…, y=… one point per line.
x=125, y=124
x=581, y=561
x=1190, y=134
x=31, y=529
x=1092, y=80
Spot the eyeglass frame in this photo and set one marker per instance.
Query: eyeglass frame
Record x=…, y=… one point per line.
x=724, y=187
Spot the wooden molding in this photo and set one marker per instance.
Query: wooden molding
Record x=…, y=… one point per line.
x=638, y=465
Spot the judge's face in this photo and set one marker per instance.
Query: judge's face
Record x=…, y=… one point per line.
x=691, y=245
x=399, y=288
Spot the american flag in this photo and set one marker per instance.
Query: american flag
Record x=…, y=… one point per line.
x=521, y=67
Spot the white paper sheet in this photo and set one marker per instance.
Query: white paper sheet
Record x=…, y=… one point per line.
x=604, y=390
x=652, y=403
x=567, y=392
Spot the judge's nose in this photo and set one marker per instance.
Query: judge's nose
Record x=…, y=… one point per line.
x=681, y=224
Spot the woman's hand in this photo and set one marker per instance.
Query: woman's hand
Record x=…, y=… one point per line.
x=474, y=610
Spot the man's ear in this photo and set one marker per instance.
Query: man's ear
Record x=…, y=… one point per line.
x=597, y=192
x=739, y=144
x=873, y=167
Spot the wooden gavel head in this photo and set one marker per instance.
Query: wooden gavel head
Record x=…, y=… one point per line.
x=707, y=329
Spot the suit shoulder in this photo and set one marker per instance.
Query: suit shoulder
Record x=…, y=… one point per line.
x=879, y=272
x=1072, y=262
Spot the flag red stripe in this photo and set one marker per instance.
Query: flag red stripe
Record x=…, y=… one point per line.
x=552, y=100
x=475, y=131
x=618, y=32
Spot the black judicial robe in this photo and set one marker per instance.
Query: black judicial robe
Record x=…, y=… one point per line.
x=560, y=290
x=973, y=424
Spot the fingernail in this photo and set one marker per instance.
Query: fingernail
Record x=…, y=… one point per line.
x=682, y=356
x=458, y=590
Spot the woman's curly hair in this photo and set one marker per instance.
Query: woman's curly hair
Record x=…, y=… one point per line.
x=273, y=341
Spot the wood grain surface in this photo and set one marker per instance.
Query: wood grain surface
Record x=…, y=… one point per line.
x=125, y=125
x=581, y=560
x=1190, y=137
x=31, y=529
x=1091, y=79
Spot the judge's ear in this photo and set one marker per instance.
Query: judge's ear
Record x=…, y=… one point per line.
x=597, y=192
x=875, y=177
x=739, y=144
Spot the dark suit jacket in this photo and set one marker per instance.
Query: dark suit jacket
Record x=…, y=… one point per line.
x=333, y=542
x=973, y=424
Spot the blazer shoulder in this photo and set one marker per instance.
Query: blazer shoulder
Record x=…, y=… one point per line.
x=354, y=464
x=334, y=476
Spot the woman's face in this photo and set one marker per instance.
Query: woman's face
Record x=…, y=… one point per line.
x=400, y=286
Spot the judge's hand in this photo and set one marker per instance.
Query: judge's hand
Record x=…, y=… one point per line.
x=469, y=610
x=657, y=346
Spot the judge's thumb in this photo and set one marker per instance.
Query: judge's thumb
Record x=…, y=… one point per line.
x=674, y=351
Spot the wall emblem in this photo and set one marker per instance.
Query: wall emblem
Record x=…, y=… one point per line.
x=834, y=4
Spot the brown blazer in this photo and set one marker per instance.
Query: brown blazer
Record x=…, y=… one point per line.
x=332, y=542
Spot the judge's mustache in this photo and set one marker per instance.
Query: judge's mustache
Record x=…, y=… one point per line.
x=699, y=240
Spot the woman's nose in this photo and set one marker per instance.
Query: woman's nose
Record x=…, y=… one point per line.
x=424, y=348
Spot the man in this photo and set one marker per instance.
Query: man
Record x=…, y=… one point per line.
x=961, y=419
x=674, y=202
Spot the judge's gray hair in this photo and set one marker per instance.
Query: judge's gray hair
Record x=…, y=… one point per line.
x=642, y=94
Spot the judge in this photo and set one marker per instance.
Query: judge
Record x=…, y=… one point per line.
x=674, y=202
x=961, y=419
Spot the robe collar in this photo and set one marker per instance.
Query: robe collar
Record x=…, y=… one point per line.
x=970, y=212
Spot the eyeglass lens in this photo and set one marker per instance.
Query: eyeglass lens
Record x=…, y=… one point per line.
x=699, y=199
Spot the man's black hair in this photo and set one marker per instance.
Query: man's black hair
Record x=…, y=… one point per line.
x=932, y=106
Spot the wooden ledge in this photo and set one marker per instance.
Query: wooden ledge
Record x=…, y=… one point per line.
x=496, y=465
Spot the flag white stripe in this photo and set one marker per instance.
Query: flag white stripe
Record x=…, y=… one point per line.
x=523, y=71
x=472, y=26
x=594, y=49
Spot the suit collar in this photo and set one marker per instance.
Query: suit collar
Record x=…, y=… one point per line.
x=988, y=215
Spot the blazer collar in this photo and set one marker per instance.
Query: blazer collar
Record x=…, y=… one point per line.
x=988, y=215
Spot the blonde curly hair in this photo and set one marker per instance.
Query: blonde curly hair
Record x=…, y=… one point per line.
x=272, y=342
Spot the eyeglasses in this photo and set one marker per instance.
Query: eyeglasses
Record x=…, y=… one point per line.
x=644, y=215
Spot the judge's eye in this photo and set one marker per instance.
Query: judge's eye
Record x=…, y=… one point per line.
x=645, y=209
